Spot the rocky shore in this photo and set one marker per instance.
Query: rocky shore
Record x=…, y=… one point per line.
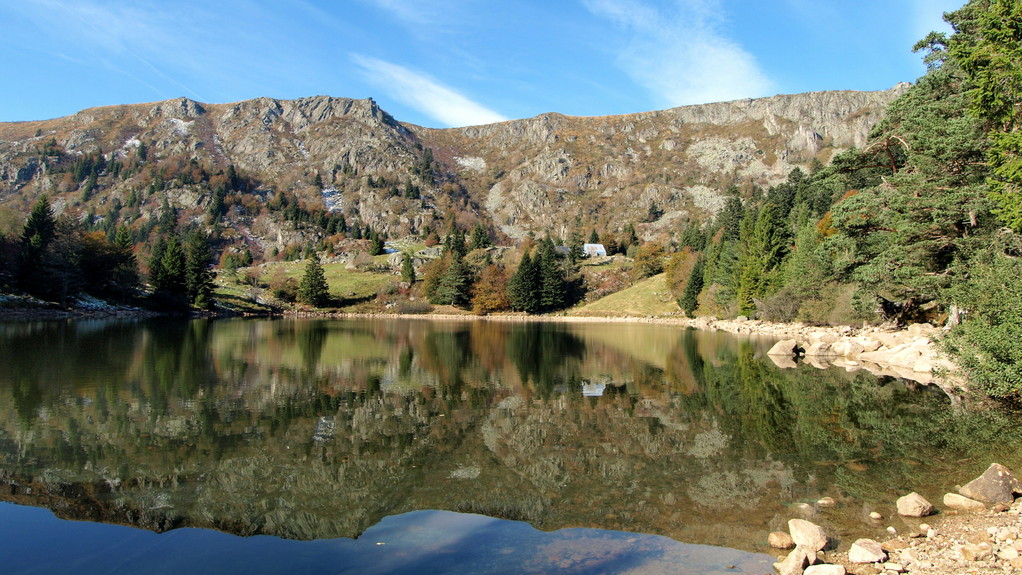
x=909, y=353
x=978, y=529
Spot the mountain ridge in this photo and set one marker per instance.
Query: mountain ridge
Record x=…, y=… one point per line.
x=548, y=173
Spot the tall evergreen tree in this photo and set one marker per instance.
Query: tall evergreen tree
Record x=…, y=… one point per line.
x=36, y=237
x=480, y=237
x=689, y=300
x=407, y=269
x=198, y=276
x=313, y=289
x=987, y=46
x=173, y=268
x=524, y=285
x=455, y=285
x=552, y=286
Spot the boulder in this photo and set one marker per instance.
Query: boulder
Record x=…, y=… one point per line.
x=825, y=570
x=914, y=505
x=796, y=562
x=847, y=348
x=807, y=534
x=780, y=540
x=996, y=485
x=866, y=551
x=962, y=503
x=788, y=347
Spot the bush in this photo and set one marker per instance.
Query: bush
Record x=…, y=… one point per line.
x=414, y=307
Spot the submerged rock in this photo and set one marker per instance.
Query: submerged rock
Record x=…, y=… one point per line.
x=780, y=540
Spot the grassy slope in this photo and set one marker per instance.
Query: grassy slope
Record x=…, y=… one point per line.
x=648, y=297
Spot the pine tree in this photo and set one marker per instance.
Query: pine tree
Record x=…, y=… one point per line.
x=198, y=276
x=155, y=264
x=480, y=237
x=455, y=285
x=172, y=265
x=313, y=289
x=689, y=300
x=524, y=285
x=552, y=286
x=407, y=269
x=36, y=237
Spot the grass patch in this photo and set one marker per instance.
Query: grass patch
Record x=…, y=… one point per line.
x=650, y=296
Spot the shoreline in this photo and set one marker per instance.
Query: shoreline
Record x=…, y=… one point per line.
x=909, y=353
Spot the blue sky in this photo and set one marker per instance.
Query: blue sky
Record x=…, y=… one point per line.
x=443, y=63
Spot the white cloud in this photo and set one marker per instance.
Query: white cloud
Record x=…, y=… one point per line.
x=680, y=54
x=425, y=94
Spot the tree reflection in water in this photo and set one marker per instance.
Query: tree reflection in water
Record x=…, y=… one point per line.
x=320, y=428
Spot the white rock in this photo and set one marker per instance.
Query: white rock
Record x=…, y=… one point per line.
x=807, y=534
x=1008, y=554
x=825, y=570
x=785, y=347
x=961, y=502
x=914, y=505
x=866, y=551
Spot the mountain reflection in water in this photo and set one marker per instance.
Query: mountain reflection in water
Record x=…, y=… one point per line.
x=320, y=429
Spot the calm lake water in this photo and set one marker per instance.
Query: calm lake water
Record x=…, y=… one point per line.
x=388, y=446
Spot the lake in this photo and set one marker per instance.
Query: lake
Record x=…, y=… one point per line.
x=390, y=446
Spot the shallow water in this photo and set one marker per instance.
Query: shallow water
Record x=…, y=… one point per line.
x=333, y=429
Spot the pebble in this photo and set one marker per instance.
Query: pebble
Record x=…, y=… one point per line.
x=875, y=516
x=892, y=530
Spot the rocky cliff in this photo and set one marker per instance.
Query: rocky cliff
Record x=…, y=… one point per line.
x=548, y=173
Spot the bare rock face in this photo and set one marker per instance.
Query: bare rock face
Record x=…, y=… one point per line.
x=866, y=551
x=914, y=505
x=526, y=175
x=996, y=485
x=807, y=534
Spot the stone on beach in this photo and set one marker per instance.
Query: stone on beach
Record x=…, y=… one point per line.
x=962, y=503
x=825, y=569
x=866, y=551
x=796, y=562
